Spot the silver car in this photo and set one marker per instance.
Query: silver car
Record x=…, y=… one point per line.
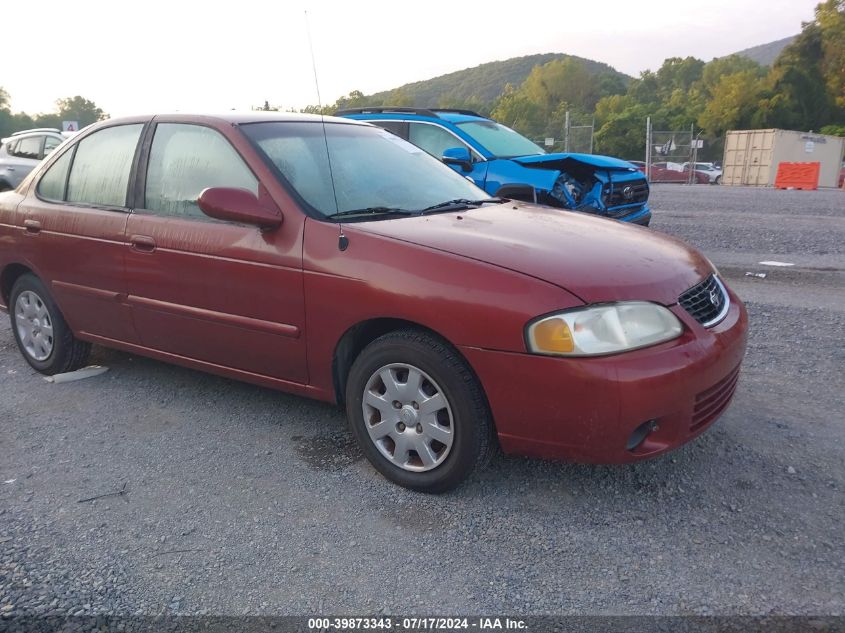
x=22, y=151
x=709, y=170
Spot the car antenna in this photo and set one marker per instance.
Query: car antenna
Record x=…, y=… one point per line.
x=342, y=240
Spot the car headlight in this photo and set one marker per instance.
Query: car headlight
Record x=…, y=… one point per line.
x=602, y=329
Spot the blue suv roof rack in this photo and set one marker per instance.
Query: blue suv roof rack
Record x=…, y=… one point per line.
x=432, y=112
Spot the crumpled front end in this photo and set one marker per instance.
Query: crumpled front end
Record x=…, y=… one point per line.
x=596, y=184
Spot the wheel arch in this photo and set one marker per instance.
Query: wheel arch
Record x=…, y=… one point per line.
x=357, y=337
x=11, y=273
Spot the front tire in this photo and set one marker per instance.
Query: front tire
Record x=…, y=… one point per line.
x=41, y=332
x=418, y=412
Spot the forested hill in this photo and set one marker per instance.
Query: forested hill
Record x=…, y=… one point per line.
x=486, y=82
x=766, y=54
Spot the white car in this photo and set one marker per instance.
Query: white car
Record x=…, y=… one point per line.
x=22, y=151
x=709, y=170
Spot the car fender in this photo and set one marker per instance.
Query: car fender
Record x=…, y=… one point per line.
x=468, y=302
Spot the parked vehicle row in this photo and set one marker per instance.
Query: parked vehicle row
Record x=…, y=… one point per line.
x=705, y=173
x=332, y=259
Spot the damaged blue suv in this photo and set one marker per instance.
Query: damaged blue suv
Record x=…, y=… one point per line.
x=505, y=163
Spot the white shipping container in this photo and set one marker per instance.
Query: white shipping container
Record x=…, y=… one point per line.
x=752, y=156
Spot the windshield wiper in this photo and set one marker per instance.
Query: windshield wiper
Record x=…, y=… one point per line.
x=371, y=211
x=459, y=203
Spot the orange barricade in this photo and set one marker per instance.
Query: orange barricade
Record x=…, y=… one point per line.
x=798, y=176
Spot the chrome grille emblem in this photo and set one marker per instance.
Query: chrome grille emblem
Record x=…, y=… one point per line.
x=715, y=299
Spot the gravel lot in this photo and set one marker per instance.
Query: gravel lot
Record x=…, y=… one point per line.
x=243, y=500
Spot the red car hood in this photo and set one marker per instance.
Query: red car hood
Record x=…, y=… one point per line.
x=594, y=258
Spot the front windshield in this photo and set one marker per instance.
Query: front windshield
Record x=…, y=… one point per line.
x=371, y=167
x=499, y=140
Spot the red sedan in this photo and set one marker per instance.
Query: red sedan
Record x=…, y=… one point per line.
x=333, y=260
x=668, y=172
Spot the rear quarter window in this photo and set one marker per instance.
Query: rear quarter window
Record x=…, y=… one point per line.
x=54, y=181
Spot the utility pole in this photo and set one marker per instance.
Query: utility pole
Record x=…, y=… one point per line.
x=566, y=133
x=648, y=148
x=692, y=154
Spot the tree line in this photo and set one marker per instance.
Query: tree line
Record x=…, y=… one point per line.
x=803, y=90
x=77, y=108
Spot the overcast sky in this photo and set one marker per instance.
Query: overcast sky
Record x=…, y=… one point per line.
x=165, y=55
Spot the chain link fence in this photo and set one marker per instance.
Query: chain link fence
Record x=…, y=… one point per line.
x=577, y=136
x=669, y=155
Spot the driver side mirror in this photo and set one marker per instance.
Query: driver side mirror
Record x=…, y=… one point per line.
x=240, y=205
x=458, y=156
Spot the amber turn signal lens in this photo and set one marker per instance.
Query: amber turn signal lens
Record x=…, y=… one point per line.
x=552, y=335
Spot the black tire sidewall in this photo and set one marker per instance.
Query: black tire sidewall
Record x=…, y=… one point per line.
x=61, y=349
x=465, y=449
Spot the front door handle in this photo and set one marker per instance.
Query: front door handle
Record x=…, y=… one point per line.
x=143, y=243
x=32, y=226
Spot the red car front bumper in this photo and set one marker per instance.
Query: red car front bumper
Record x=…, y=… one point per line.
x=586, y=409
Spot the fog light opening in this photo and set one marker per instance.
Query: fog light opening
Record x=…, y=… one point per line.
x=640, y=433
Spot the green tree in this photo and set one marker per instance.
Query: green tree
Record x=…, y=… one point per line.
x=678, y=74
x=798, y=94
x=5, y=114
x=399, y=98
x=830, y=16
x=620, y=127
x=355, y=99
x=315, y=109
x=730, y=65
x=733, y=104
x=473, y=104
x=833, y=130
x=515, y=109
x=645, y=89
x=562, y=81
x=79, y=109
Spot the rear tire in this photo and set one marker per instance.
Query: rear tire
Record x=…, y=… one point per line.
x=41, y=332
x=418, y=412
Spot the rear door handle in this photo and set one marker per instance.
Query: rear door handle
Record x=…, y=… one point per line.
x=32, y=226
x=143, y=243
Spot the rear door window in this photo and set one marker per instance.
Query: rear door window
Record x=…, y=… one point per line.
x=102, y=164
x=399, y=128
